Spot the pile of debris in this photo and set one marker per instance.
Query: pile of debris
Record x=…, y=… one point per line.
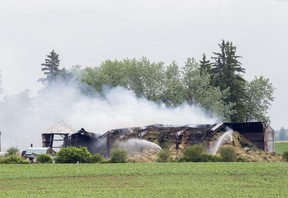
x=254, y=141
x=248, y=151
x=245, y=150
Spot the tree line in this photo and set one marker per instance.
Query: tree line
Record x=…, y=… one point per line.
x=281, y=134
x=216, y=84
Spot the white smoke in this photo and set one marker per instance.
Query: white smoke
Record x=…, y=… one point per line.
x=119, y=108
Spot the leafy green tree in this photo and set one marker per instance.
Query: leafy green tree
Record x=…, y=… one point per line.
x=141, y=76
x=226, y=74
x=259, y=94
x=90, y=77
x=51, y=69
x=75, y=72
x=199, y=91
x=145, y=78
x=173, y=93
x=189, y=73
x=112, y=73
x=108, y=74
x=135, y=73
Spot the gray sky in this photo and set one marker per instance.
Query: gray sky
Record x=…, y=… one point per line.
x=87, y=32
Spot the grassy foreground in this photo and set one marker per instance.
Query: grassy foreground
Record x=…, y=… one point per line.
x=281, y=147
x=145, y=180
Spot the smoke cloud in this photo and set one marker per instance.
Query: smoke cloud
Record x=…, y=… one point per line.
x=24, y=118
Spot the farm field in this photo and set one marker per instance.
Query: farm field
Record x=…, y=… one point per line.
x=281, y=147
x=145, y=180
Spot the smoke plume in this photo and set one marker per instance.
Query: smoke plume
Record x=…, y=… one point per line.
x=23, y=118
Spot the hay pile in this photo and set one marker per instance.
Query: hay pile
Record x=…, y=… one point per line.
x=145, y=156
x=244, y=149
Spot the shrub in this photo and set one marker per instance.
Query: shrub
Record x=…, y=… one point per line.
x=118, y=156
x=163, y=156
x=228, y=154
x=193, y=153
x=13, y=159
x=12, y=150
x=209, y=158
x=44, y=158
x=285, y=156
x=96, y=158
x=2, y=160
x=72, y=154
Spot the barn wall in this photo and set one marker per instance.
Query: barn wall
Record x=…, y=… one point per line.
x=269, y=139
x=259, y=133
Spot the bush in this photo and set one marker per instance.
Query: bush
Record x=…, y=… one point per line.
x=193, y=153
x=2, y=160
x=285, y=156
x=228, y=154
x=12, y=150
x=72, y=154
x=13, y=159
x=96, y=158
x=118, y=156
x=210, y=158
x=163, y=156
x=44, y=158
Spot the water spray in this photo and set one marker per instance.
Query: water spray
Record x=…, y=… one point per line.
x=226, y=137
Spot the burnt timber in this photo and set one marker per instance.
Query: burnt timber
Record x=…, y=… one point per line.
x=258, y=133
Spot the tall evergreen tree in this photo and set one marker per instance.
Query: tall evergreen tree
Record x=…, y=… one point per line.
x=51, y=69
x=205, y=65
x=226, y=73
x=198, y=91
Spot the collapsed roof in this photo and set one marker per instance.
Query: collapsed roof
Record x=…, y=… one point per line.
x=258, y=133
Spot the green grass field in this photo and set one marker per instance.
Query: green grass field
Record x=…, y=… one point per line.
x=281, y=147
x=145, y=180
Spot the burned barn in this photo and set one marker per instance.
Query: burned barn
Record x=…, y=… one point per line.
x=257, y=133
x=83, y=138
x=56, y=135
x=162, y=135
